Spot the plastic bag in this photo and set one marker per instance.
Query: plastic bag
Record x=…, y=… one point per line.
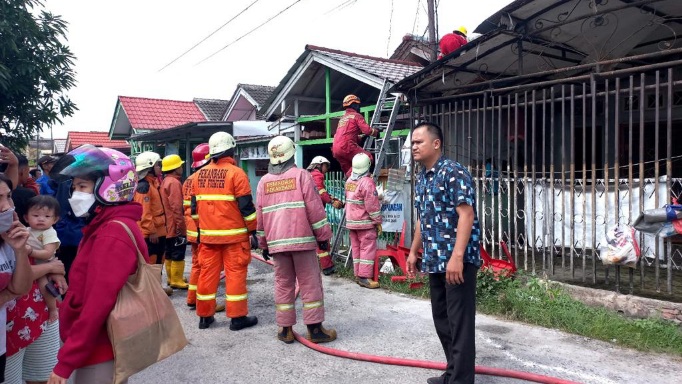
x=622, y=247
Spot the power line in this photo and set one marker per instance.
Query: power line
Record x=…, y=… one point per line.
x=416, y=16
x=207, y=37
x=341, y=6
x=390, y=22
x=251, y=31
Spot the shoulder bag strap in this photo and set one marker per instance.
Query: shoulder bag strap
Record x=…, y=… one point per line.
x=140, y=258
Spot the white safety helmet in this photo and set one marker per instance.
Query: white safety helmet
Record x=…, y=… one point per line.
x=146, y=160
x=361, y=163
x=281, y=149
x=220, y=142
x=317, y=161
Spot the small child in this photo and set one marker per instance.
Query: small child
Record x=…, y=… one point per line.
x=42, y=212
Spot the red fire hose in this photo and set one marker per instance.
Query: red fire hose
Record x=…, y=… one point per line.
x=480, y=369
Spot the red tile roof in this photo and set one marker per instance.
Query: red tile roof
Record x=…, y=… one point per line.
x=99, y=139
x=144, y=113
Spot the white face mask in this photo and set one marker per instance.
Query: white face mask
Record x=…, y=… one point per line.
x=81, y=202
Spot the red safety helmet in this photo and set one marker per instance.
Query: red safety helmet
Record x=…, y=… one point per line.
x=350, y=99
x=200, y=155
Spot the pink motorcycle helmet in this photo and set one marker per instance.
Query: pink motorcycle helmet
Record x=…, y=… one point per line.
x=113, y=171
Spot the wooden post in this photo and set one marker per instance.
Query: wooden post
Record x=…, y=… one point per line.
x=433, y=42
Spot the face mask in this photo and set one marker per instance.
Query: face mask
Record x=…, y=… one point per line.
x=81, y=202
x=6, y=220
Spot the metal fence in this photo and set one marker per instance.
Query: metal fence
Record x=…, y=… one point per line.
x=560, y=162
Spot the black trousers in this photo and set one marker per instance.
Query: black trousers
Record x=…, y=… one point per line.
x=157, y=249
x=454, y=315
x=67, y=254
x=175, y=252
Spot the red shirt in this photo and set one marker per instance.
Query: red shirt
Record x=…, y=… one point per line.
x=26, y=320
x=450, y=43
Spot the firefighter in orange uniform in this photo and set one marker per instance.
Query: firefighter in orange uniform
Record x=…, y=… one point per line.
x=227, y=231
x=153, y=222
x=199, y=159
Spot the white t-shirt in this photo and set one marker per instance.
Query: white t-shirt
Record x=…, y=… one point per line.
x=7, y=265
x=40, y=238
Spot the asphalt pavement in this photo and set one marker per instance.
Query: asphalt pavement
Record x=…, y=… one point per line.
x=383, y=323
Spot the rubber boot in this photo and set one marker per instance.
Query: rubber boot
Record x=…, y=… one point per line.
x=177, y=271
x=243, y=322
x=367, y=283
x=169, y=271
x=329, y=271
x=286, y=334
x=317, y=334
x=205, y=322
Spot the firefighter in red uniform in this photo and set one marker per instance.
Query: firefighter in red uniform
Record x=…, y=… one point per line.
x=291, y=224
x=452, y=41
x=227, y=217
x=153, y=221
x=318, y=167
x=363, y=220
x=347, y=136
x=199, y=159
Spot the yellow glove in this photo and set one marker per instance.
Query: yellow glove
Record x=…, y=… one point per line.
x=379, y=230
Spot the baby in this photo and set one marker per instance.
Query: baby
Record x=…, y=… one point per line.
x=42, y=212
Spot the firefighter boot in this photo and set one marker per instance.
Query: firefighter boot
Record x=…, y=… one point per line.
x=205, y=322
x=286, y=334
x=317, y=334
x=368, y=283
x=177, y=271
x=169, y=271
x=243, y=322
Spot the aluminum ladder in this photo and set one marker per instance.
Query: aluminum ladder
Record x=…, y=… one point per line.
x=386, y=103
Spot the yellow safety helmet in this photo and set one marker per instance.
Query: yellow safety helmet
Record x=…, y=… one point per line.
x=350, y=99
x=462, y=30
x=171, y=162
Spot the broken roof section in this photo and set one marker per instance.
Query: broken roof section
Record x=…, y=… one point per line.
x=246, y=100
x=213, y=109
x=306, y=80
x=414, y=49
x=140, y=114
x=535, y=40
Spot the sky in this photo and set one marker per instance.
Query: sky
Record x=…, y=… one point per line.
x=121, y=46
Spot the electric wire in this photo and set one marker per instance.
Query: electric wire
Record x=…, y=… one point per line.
x=416, y=16
x=207, y=37
x=390, y=22
x=249, y=32
x=339, y=7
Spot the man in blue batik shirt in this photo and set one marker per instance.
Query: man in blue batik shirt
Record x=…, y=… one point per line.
x=448, y=228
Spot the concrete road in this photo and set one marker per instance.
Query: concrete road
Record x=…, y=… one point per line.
x=383, y=323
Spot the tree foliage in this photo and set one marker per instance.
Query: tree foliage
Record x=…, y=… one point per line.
x=36, y=70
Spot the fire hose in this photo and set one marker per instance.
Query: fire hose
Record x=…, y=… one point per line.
x=480, y=369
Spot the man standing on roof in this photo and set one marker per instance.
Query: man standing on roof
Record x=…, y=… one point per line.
x=452, y=41
x=199, y=159
x=291, y=224
x=176, y=232
x=347, y=137
x=226, y=218
x=318, y=167
x=153, y=221
x=363, y=220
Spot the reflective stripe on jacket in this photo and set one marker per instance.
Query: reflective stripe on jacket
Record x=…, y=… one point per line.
x=172, y=198
x=224, y=203
x=318, y=178
x=291, y=216
x=153, y=217
x=363, y=208
x=189, y=204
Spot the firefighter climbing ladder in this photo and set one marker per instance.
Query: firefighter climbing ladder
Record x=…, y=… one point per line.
x=386, y=103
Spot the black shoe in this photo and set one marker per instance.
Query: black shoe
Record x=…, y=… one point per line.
x=436, y=379
x=318, y=334
x=243, y=322
x=329, y=271
x=192, y=306
x=286, y=334
x=205, y=322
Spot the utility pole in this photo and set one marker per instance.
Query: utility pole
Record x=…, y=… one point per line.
x=433, y=42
